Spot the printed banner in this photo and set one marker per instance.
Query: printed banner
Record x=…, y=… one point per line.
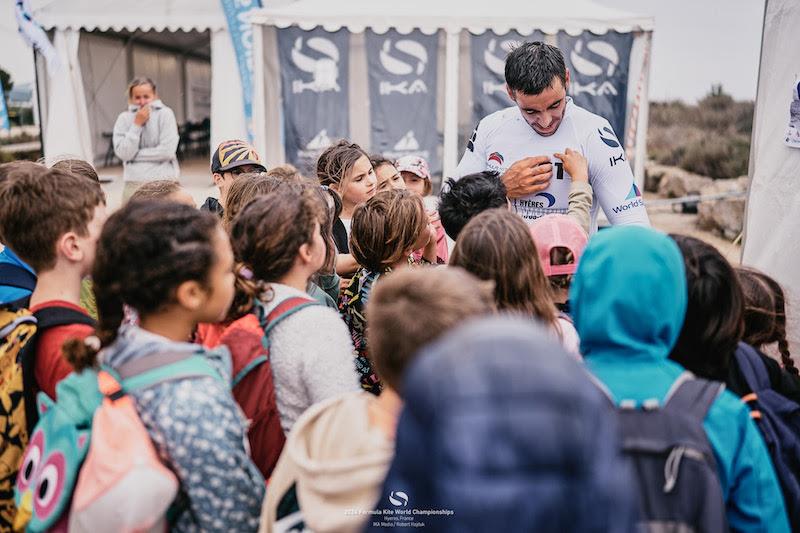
x=402, y=95
x=598, y=67
x=314, y=83
x=33, y=34
x=241, y=31
x=488, y=53
x=4, y=123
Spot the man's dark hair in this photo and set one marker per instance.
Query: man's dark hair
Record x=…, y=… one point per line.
x=531, y=67
x=463, y=199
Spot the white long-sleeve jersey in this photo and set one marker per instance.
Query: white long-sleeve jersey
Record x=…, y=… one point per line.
x=504, y=137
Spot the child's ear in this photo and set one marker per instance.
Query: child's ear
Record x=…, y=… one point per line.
x=218, y=178
x=305, y=253
x=68, y=246
x=190, y=295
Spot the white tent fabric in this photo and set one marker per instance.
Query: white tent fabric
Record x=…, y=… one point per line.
x=116, y=15
x=454, y=17
x=502, y=16
x=104, y=88
x=67, y=131
x=773, y=205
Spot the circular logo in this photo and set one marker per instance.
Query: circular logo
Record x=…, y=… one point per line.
x=398, y=498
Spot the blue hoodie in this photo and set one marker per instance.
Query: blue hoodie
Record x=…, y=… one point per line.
x=8, y=293
x=628, y=300
x=502, y=428
x=199, y=432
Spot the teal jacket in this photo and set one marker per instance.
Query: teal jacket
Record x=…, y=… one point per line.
x=629, y=300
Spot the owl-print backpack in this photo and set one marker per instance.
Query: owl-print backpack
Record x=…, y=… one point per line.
x=90, y=464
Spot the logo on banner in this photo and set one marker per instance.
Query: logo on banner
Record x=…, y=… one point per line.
x=598, y=58
x=316, y=145
x=412, y=61
x=324, y=69
x=408, y=143
x=497, y=64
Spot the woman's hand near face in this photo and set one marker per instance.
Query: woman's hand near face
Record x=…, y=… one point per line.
x=142, y=116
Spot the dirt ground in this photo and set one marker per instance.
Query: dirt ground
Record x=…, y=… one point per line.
x=669, y=221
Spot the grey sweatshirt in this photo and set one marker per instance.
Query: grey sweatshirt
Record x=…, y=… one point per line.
x=147, y=152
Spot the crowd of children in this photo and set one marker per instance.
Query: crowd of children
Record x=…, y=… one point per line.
x=307, y=353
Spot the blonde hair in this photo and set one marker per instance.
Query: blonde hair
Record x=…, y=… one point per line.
x=138, y=81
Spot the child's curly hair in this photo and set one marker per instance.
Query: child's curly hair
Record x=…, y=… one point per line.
x=146, y=250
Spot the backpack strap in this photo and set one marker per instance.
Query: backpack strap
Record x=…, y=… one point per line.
x=49, y=317
x=17, y=276
x=188, y=366
x=693, y=396
x=268, y=321
x=284, y=309
x=752, y=367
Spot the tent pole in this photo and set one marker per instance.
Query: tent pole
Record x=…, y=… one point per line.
x=450, y=152
x=38, y=101
x=259, y=104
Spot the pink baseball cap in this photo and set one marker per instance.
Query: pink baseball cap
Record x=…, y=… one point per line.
x=558, y=231
x=414, y=164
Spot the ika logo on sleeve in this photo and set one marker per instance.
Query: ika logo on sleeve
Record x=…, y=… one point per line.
x=404, y=58
x=320, y=58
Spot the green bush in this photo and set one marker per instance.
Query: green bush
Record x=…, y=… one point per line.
x=711, y=138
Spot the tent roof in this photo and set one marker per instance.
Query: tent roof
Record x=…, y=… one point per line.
x=501, y=16
x=117, y=15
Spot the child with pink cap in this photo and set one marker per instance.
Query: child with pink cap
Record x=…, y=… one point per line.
x=560, y=241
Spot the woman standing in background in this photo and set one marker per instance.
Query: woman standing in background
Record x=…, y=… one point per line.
x=145, y=137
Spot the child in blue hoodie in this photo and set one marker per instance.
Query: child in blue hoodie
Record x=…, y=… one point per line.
x=173, y=265
x=629, y=300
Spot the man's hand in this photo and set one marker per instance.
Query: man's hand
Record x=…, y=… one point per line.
x=575, y=164
x=142, y=116
x=528, y=176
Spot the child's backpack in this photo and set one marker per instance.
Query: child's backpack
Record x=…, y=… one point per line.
x=247, y=338
x=120, y=485
x=18, y=330
x=778, y=418
x=679, y=487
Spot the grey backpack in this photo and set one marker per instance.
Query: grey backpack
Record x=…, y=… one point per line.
x=679, y=488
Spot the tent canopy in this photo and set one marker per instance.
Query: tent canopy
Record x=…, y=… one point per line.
x=501, y=16
x=116, y=15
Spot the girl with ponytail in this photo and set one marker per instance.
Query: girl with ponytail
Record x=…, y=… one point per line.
x=716, y=323
x=173, y=266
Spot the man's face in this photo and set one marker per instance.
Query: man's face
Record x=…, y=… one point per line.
x=543, y=112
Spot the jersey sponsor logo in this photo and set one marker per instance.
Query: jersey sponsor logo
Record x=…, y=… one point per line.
x=635, y=193
x=551, y=200
x=597, y=58
x=632, y=201
x=614, y=160
x=405, y=58
x=608, y=137
x=324, y=70
x=471, y=141
x=496, y=157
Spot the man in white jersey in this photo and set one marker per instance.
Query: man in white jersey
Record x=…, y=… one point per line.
x=519, y=142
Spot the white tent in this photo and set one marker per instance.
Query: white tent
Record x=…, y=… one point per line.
x=456, y=19
x=773, y=204
x=183, y=45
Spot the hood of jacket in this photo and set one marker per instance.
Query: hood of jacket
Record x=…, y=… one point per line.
x=497, y=413
x=340, y=460
x=134, y=343
x=629, y=295
x=155, y=104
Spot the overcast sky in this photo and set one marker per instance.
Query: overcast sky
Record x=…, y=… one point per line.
x=695, y=44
